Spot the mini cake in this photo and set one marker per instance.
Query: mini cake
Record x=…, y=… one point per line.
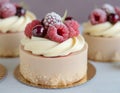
x=53, y=52
x=102, y=33
x=13, y=20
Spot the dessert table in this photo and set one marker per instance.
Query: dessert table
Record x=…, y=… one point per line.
x=106, y=80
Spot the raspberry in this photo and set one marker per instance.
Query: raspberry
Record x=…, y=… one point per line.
x=58, y=33
x=108, y=8
x=98, y=16
x=7, y=10
x=3, y=1
x=30, y=26
x=73, y=27
x=117, y=10
x=51, y=19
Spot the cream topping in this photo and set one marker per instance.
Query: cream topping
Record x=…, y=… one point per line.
x=15, y=23
x=48, y=48
x=104, y=29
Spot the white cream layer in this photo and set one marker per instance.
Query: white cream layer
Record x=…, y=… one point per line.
x=104, y=29
x=48, y=48
x=15, y=23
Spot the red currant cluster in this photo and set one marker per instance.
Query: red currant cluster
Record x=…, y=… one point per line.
x=106, y=13
x=52, y=27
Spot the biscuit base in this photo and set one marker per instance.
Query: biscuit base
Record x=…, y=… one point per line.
x=9, y=44
x=103, y=49
x=2, y=71
x=9, y=54
x=90, y=74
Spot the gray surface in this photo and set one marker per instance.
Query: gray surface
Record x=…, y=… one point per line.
x=107, y=80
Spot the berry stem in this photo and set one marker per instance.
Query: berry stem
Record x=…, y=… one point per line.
x=65, y=15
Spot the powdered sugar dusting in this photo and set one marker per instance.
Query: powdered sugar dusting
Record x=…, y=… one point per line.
x=52, y=18
x=108, y=8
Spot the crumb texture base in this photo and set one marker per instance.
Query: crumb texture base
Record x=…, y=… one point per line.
x=9, y=44
x=102, y=49
x=53, y=71
x=90, y=74
x=2, y=71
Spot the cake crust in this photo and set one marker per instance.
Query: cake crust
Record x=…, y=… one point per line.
x=103, y=49
x=53, y=71
x=9, y=44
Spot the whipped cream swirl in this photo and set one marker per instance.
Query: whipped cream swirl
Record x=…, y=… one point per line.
x=15, y=23
x=48, y=48
x=104, y=29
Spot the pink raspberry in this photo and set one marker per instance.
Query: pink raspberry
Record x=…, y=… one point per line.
x=3, y=1
x=30, y=26
x=7, y=10
x=117, y=10
x=58, y=33
x=98, y=16
x=73, y=27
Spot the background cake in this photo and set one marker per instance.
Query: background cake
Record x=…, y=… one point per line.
x=13, y=20
x=53, y=52
x=102, y=33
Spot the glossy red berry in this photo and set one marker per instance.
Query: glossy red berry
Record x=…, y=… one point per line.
x=38, y=31
x=29, y=28
x=113, y=18
x=68, y=18
x=20, y=11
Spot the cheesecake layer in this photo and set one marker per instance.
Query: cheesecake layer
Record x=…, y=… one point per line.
x=105, y=49
x=53, y=71
x=9, y=44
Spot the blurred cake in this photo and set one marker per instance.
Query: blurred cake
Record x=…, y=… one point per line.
x=53, y=52
x=13, y=20
x=102, y=33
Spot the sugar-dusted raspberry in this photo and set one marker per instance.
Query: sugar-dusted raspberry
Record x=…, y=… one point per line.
x=98, y=16
x=3, y=1
x=73, y=27
x=30, y=26
x=117, y=10
x=7, y=10
x=58, y=33
x=108, y=8
x=51, y=19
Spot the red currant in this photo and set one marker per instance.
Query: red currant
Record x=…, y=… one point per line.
x=20, y=11
x=113, y=18
x=68, y=18
x=39, y=31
